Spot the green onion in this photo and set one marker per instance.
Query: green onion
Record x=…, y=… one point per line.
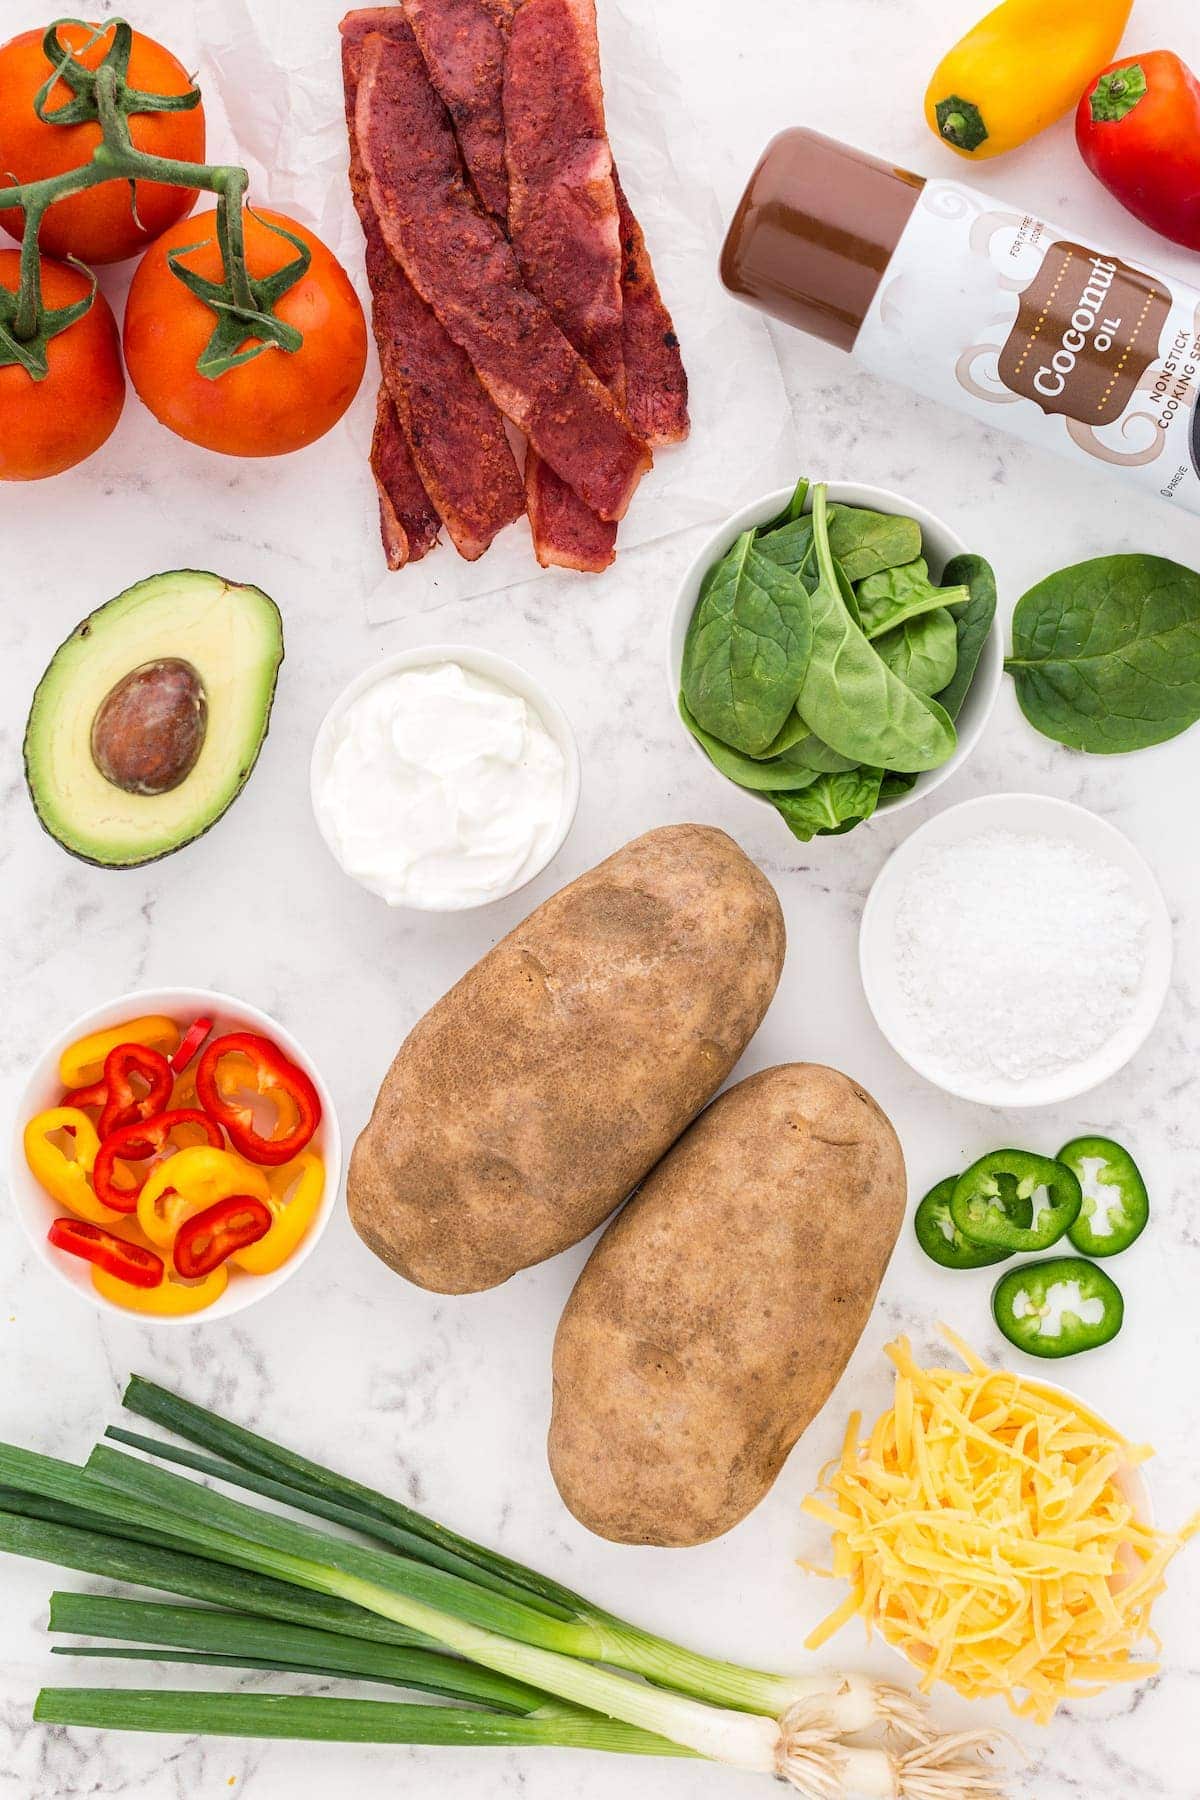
x=333, y=1721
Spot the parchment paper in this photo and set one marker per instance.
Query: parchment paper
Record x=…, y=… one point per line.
x=271, y=75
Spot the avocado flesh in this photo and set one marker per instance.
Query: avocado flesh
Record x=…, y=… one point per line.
x=232, y=635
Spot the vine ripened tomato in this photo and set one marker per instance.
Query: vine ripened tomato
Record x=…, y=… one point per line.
x=48, y=426
x=279, y=400
x=99, y=225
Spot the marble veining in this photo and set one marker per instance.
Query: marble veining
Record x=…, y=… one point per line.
x=446, y=1402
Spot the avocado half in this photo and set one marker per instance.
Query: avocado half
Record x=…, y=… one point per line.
x=148, y=722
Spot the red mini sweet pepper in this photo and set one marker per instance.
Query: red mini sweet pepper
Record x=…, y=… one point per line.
x=124, y=1104
x=269, y=1076
x=141, y=1268
x=136, y=1142
x=1138, y=131
x=209, y=1238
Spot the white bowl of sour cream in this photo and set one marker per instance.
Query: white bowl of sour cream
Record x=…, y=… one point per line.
x=444, y=778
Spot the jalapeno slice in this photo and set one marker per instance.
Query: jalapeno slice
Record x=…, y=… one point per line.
x=989, y=1200
x=940, y=1238
x=1059, y=1307
x=1116, y=1206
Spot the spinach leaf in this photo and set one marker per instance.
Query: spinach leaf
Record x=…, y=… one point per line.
x=808, y=748
x=972, y=622
x=793, y=510
x=781, y=773
x=1106, y=654
x=849, y=696
x=923, y=652
x=864, y=542
x=833, y=804
x=897, y=595
x=893, y=785
x=747, y=648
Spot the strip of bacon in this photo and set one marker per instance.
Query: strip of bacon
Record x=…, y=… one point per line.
x=455, y=433
x=565, y=230
x=462, y=42
x=656, y=385
x=408, y=523
x=462, y=265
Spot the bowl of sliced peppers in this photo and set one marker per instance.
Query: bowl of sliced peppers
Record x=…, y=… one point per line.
x=176, y=1155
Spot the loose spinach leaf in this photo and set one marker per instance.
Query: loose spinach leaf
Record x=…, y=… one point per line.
x=864, y=542
x=972, y=622
x=848, y=694
x=747, y=648
x=897, y=595
x=833, y=804
x=923, y=652
x=1106, y=654
x=781, y=773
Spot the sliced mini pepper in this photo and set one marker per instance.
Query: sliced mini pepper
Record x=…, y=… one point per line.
x=989, y=1200
x=136, y=1142
x=130, y=1263
x=296, y=1192
x=209, y=1238
x=1116, y=1206
x=66, y=1178
x=940, y=1238
x=189, y=1182
x=82, y=1062
x=1058, y=1307
x=262, y=1067
x=172, y=1299
x=193, y=1037
x=123, y=1103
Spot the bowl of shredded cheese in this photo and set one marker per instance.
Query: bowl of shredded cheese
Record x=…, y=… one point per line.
x=998, y=1533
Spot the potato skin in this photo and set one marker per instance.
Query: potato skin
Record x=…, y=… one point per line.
x=532, y=1099
x=716, y=1314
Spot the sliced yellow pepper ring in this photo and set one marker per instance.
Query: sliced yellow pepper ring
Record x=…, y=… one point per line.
x=82, y=1062
x=296, y=1191
x=188, y=1182
x=65, y=1178
x=172, y=1298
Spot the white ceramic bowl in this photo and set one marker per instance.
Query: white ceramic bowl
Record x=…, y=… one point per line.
x=940, y=546
x=493, y=668
x=1027, y=814
x=35, y=1209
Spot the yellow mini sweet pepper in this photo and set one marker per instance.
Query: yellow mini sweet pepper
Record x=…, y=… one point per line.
x=82, y=1062
x=296, y=1193
x=65, y=1178
x=187, y=1183
x=172, y=1298
x=1017, y=71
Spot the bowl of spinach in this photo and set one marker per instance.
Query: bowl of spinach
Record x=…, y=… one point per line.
x=833, y=652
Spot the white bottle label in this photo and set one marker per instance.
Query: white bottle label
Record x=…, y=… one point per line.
x=1002, y=315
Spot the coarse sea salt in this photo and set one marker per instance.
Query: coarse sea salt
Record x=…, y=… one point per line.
x=1017, y=956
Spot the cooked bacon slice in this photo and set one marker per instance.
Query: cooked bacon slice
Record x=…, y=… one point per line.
x=408, y=523
x=565, y=230
x=656, y=386
x=462, y=42
x=456, y=435
x=461, y=264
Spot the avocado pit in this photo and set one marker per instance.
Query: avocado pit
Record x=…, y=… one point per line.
x=149, y=729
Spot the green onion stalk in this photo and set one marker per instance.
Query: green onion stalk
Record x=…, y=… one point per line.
x=243, y=305
x=420, y=1607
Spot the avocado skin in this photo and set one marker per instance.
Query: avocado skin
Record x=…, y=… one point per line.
x=82, y=630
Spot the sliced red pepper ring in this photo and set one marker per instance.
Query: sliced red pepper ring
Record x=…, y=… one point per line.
x=124, y=1104
x=208, y=1238
x=95, y=1095
x=193, y=1037
x=127, y=1262
x=137, y=1142
x=269, y=1076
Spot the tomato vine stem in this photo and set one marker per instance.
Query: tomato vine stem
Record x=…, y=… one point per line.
x=246, y=322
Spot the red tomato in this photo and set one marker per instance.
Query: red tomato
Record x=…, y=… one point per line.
x=279, y=400
x=98, y=225
x=48, y=426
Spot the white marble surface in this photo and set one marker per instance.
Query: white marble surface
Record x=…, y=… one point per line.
x=445, y=1401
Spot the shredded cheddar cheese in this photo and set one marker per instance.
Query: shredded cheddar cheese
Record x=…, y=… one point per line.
x=986, y=1529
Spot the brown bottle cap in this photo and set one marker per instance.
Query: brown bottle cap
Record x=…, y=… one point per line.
x=814, y=232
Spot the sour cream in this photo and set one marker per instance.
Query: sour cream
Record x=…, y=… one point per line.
x=443, y=789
